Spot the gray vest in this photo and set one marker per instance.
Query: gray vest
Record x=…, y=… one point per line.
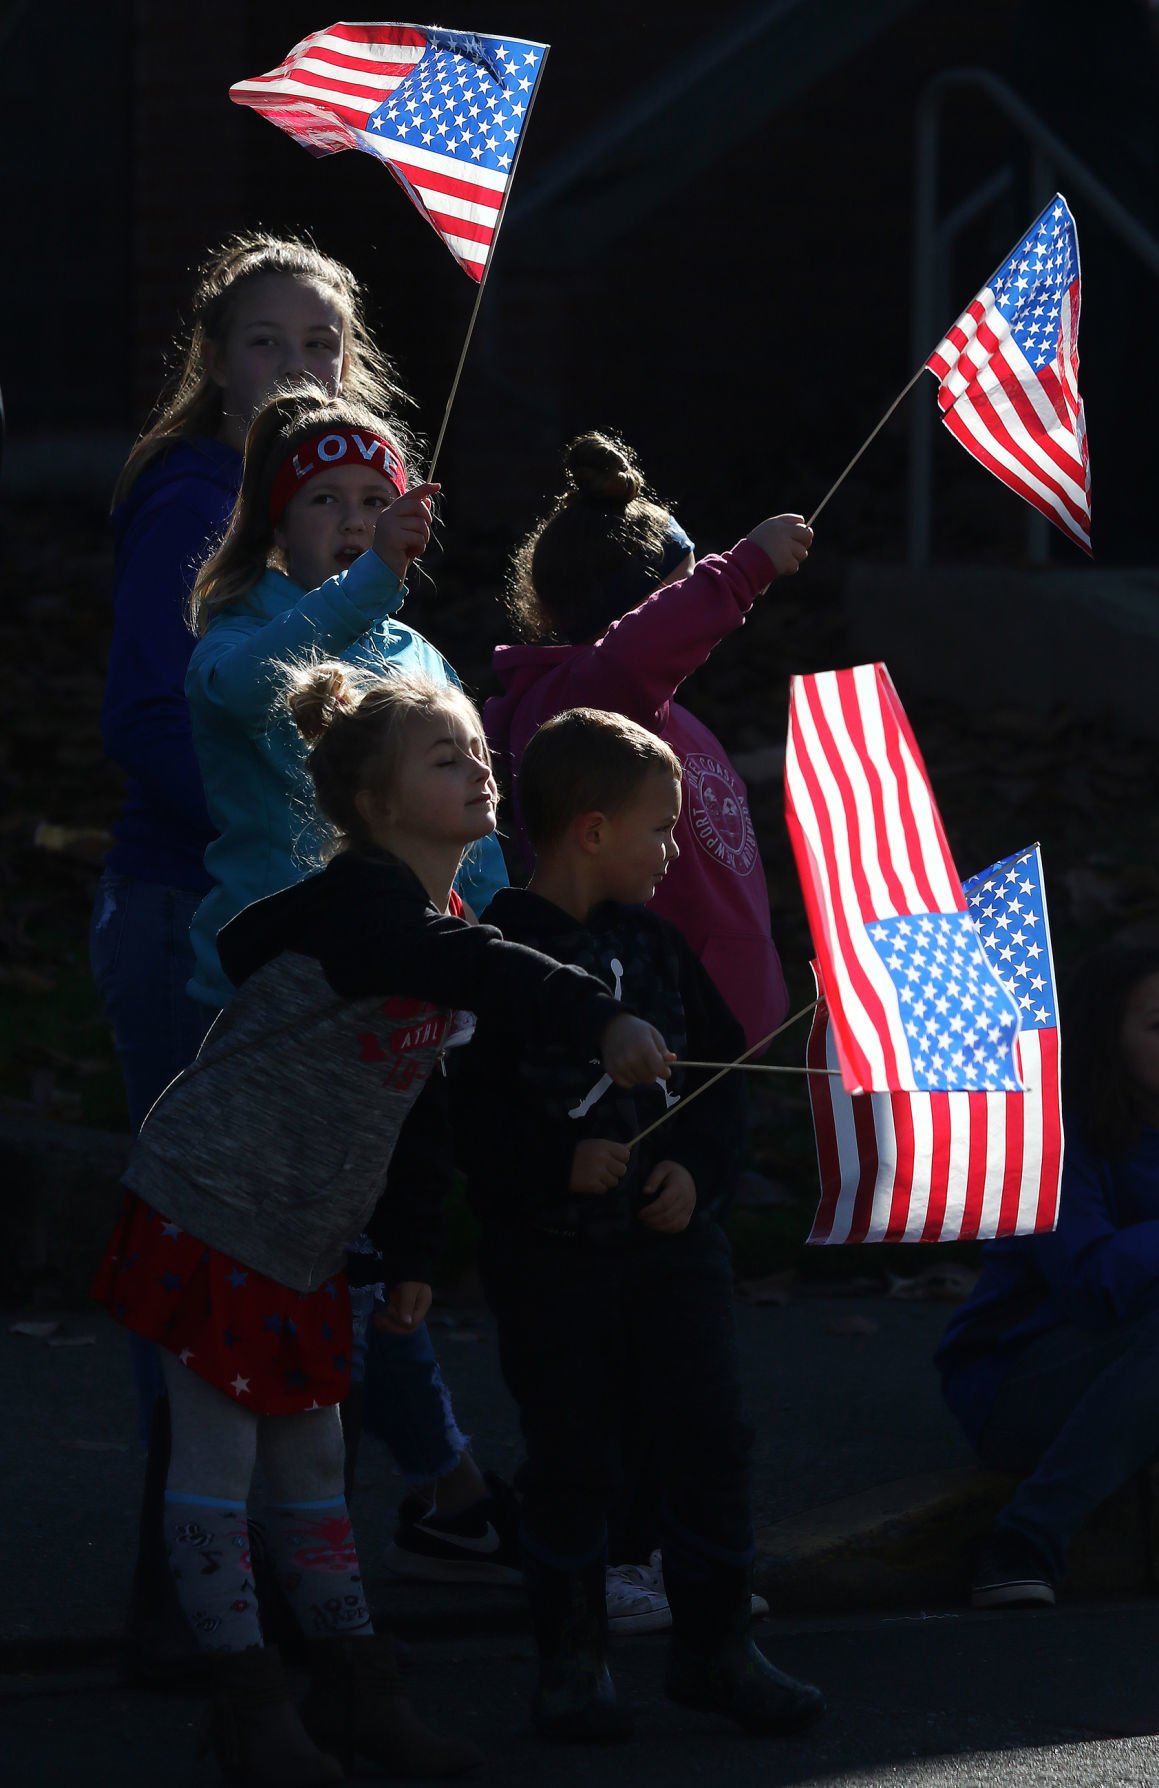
x=273, y=1145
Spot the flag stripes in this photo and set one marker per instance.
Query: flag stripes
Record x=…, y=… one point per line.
x=350, y=68
x=870, y=847
x=443, y=110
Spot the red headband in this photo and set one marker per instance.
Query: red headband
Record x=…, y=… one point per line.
x=321, y=453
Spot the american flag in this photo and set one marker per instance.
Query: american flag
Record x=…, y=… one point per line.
x=914, y=1003
x=1008, y=375
x=941, y=1167
x=443, y=109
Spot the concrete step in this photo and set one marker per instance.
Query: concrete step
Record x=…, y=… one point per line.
x=905, y=1545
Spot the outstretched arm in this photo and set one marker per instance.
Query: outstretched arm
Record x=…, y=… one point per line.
x=643, y=658
x=236, y=665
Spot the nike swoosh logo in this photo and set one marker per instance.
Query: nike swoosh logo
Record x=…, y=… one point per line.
x=488, y=1542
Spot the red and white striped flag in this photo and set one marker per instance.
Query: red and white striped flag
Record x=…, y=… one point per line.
x=914, y=1003
x=942, y=1167
x=1008, y=375
x=444, y=110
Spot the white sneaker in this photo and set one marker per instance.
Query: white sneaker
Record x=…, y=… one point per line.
x=636, y=1599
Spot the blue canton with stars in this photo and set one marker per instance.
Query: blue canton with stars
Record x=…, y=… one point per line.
x=959, y=1022
x=466, y=98
x=1030, y=288
x=1008, y=906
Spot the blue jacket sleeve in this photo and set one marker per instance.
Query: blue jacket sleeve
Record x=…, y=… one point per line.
x=1100, y=1270
x=236, y=664
x=145, y=718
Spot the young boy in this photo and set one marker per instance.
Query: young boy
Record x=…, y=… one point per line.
x=610, y=1281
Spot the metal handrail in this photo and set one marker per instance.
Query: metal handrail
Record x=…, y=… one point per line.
x=1050, y=158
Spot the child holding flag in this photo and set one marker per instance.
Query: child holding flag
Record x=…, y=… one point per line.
x=619, y=613
x=608, y=590
x=610, y=1279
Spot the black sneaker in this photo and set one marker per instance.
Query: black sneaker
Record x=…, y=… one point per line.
x=479, y=1546
x=1009, y=1573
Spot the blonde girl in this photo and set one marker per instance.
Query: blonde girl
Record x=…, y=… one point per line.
x=315, y=559
x=261, y=1163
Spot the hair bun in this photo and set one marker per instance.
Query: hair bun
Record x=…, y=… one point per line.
x=317, y=694
x=602, y=470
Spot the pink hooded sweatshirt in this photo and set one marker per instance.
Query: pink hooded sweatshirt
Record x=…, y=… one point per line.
x=716, y=892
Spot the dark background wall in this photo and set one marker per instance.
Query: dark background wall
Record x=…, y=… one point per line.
x=708, y=247
x=726, y=278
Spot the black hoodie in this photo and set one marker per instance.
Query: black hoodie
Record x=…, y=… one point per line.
x=517, y=1122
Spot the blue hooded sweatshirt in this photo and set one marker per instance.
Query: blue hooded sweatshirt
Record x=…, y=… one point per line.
x=172, y=517
x=1098, y=1269
x=253, y=760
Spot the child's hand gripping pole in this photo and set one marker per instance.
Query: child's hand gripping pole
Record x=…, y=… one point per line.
x=634, y=1053
x=786, y=540
x=403, y=531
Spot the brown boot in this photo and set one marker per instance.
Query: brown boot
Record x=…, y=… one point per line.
x=357, y=1707
x=254, y=1728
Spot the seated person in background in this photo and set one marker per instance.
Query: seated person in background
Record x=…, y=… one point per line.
x=1052, y=1364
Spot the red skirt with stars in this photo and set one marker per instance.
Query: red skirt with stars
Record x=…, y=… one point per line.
x=274, y=1350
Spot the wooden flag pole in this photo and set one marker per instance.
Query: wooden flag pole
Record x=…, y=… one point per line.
x=682, y=1104
x=866, y=442
x=760, y=1067
x=487, y=269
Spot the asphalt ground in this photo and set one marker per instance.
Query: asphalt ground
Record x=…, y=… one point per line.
x=841, y=1392
x=1063, y=1697
x=844, y=1399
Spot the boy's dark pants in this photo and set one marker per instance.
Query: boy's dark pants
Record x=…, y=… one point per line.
x=586, y=1333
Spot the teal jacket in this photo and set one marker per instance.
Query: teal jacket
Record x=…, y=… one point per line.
x=253, y=761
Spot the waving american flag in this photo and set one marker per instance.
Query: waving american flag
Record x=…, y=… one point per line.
x=914, y=1003
x=963, y=1166
x=1008, y=375
x=444, y=110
